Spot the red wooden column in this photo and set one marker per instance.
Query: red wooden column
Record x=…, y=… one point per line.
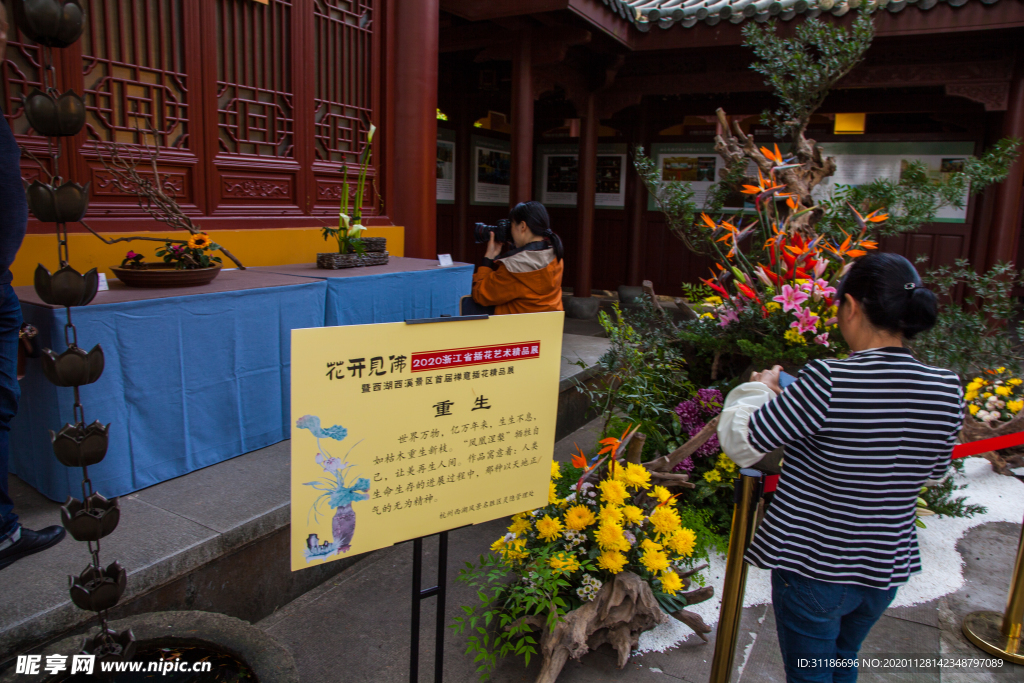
x=1003, y=237
x=413, y=203
x=585, y=191
x=521, y=189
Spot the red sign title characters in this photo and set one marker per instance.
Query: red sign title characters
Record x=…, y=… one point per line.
x=477, y=355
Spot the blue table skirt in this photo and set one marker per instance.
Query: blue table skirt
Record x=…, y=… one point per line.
x=190, y=381
x=405, y=289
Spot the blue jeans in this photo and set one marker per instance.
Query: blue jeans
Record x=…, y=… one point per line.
x=10, y=391
x=819, y=621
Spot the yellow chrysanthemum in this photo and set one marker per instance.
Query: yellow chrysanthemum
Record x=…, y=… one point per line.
x=1004, y=391
x=654, y=561
x=553, y=498
x=794, y=337
x=665, y=519
x=613, y=492
x=1015, y=381
x=682, y=542
x=549, y=528
x=610, y=537
x=556, y=472
x=713, y=300
x=974, y=409
x=707, y=315
x=661, y=494
x=1000, y=370
x=712, y=475
x=635, y=476
x=1014, y=406
x=579, y=517
x=564, y=562
x=725, y=463
x=519, y=526
x=970, y=396
x=516, y=550
x=611, y=514
x=611, y=561
x=648, y=544
x=670, y=583
x=633, y=514
x=773, y=306
x=987, y=394
x=498, y=546
x=199, y=241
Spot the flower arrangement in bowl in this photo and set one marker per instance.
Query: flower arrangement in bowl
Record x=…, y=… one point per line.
x=353, y=249
x=602, y=562
x=185, y=264
x=995, y=398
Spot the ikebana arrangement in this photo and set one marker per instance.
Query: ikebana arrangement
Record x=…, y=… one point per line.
x=605, y=560
x=97, y=588
x=353, y=249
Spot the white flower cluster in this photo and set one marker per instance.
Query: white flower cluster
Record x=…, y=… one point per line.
x=574, y=539
x=588, y=494
x=993, y=407
x=589, y=588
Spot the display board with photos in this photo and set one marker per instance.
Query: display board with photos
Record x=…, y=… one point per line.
x=492, y=170
x=445, y=166
x=557, y=175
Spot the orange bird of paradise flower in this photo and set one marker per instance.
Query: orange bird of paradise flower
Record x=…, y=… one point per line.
x=611, y=444
x=776, y=157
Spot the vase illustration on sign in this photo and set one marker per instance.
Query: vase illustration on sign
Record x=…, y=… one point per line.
x=339, y=489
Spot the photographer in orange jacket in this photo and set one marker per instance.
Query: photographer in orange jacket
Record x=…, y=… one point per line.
x=528, y=277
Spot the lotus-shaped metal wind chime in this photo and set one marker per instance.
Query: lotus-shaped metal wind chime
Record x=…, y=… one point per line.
x=78, y=446
x=64, y=204
x=74, y=367
x=53, y=116
x=53, y=23
x=66, y=287
x=98, y=589
x=92, y=520
x=58, y=24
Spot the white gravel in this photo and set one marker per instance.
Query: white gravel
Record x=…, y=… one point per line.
x=942, y=565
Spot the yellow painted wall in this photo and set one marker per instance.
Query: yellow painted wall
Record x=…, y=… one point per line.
x=271, y=247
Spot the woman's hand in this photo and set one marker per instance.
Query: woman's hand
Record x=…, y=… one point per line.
x=493, y=248
x=769, y=377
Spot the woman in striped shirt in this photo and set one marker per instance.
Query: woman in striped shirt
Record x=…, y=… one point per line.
x=861, y=436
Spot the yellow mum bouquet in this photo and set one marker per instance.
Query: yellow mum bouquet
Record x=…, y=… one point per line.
x=995, y=396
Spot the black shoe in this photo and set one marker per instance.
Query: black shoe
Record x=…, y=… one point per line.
x=31, y=542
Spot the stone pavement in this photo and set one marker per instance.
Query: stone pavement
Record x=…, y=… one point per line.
x=355, y=626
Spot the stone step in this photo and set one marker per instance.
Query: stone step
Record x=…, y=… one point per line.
x=215, y=539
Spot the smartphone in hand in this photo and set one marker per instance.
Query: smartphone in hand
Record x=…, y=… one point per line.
x=785, y=379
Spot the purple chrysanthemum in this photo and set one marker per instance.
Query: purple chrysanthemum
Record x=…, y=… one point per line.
x=685, y=466
x=711, y=447
x=709, y=401
x=689, y=415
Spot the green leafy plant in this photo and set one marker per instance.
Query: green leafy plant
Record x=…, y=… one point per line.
x=674, y=198
x=943, y=501
x=979, y=333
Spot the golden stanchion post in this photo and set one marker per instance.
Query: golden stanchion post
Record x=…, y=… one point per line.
x=748, y=494
x=1000, y=634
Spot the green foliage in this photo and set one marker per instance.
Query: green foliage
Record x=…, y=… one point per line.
x=942, y=500
x=674, y=198
x=696, y=293
x=917, y=196
x=184, y=257
x=644, y=377
x=712, y=502
x=801, y=70
x=979, y=333
x=502, y=623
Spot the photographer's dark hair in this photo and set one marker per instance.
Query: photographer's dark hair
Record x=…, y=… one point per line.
x=890, y=290
x=536, y=218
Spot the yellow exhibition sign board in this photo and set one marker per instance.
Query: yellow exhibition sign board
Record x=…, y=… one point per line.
x=401, y=431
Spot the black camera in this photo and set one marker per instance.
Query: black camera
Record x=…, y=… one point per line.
x=482, y=232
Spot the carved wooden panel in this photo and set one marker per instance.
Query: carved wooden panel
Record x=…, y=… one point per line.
x=254, y=78
x=133, y=64
x=264, y=187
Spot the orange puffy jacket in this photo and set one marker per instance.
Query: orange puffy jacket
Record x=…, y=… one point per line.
x=527, y=282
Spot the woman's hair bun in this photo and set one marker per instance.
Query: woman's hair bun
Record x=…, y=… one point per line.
x=890, y=290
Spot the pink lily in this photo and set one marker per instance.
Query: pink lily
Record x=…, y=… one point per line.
x=822, y=339
x=819, y=268
x=805, y=321
x=822, y=288
x=727, y=316
x=791, y=298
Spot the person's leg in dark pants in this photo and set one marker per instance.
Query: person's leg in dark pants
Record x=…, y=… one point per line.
x=855, y=626
x=16, y=542
x=807, y=617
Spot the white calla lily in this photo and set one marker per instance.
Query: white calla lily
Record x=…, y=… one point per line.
x=346, y=220
x=369, y=135
x=356, y=229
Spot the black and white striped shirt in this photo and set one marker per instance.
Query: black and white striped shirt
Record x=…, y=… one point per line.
x=861, y=435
